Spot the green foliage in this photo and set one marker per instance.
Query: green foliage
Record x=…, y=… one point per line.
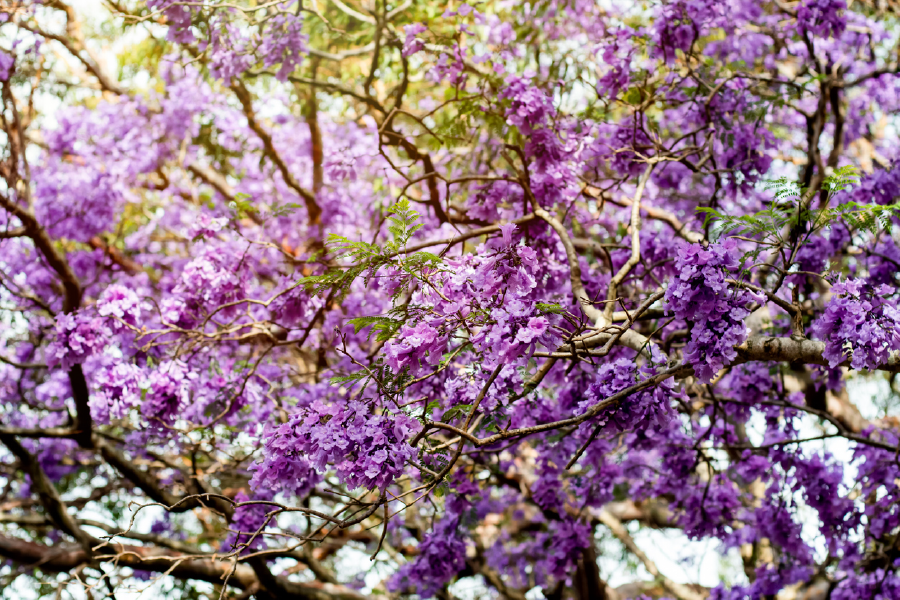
x=382, y=327
x=790, y=211
x=366, y=260
x=241, y=204
x=863, y=217
x=283, y=210
x=545, y=308
x=459, y=410
x=765, y=223
x=340, y=379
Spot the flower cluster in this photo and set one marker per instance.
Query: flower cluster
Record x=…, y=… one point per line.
x=366, y=450
x=411, y=43
x=823, y=18
x=643, y=410
x=441, y=556
x=178, y=17
x=206, y=225
x=97, y=193
x=283, y=42
x=246, y=526
x=415, y=345
x=121, y=303
x=699, y=294
x=118, y=390
x=7, y=62
x=216, y=276
x=860, y=324
x=229, y=55
x=546, y=557
x=281, y=472
x=528, y=105
x=167, y=391
x=78, y=336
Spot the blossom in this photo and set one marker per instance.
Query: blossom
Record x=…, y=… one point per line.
x=859, y=323
x=247, y=525
x=822, y=17
x=441, y=555
x=7, y=62
x=535, y=328
x=284, y=472
x=78, y=336
x=642, y=410
x=411, y=43
x=366, y=450
x=700, y=294
x=414, y=345
x=214, y=277
x=284, y=42
x=167, y=390
x=118, y=389
x=122, y=303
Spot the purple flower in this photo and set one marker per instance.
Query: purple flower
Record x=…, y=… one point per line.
x=166, y=392
x=281, y=472
x=7, y=62
x=247, y=524
x=366, y=450
x=860, y=324
x=78, y=336
x=535, y=328
x=179, y=19
x=118, y=390
x=411, y=43
x=823, y=18
x=284, y=42
x=442, y=554
x=415, y=346
x=699, y=294
x=122, y=303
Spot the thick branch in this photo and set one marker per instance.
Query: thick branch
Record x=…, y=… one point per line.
x=782, y=349
x=180, y=566
x=71, y=302
x=312, y=208
x=46, y=492
x=678, y=590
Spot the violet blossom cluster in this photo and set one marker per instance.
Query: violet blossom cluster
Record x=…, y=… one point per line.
x=860, y=323
x=283, y=42
x=79, y=336
x=823, y=18
x=642, y=410
x=441, y=556
x=247, y=525
x=366, y=450
x=201, y=331
x=716, y=310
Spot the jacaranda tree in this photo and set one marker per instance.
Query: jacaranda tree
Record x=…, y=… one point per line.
x=357, y=299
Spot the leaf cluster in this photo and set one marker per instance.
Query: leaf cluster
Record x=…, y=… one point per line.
x=364, y=259
x=790, y=211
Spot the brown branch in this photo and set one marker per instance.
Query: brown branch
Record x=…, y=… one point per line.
x=116, y=256
x=71, y=301
x=42, y=486
x=312, y=207
x=63, y=558
x=782, y=349
x=657, y=214
x=678, y=590
x=74, y=43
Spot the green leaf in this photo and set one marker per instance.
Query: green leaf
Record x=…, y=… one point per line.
x=339, y=379
x=455, y=412
x=384, y=327
x=551, y=308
